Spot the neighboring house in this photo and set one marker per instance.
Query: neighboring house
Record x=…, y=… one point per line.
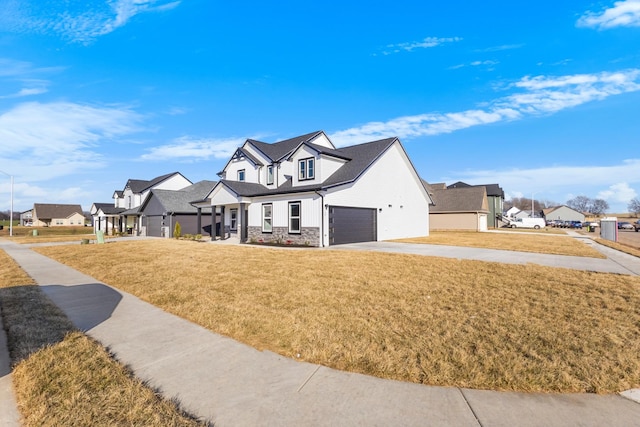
x=464, y=208
x=106, y=217
x=26, y=218
x=562, y=213
x=162, y=209
x=495, y=199
x=306, y=191
x=55, y=215
x=515, y=213
x=134, y=194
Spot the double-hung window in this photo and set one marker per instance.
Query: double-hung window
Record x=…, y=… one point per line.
x=294, y=217
x=267, y=218
x=306, y=169
x=269, y=174
x=241, y=175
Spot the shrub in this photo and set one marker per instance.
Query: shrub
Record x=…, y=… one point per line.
x=177, y=231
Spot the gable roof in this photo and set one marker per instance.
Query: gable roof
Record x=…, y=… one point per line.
x=179, y=201
x=140, y=185
x=492, y=189
x=361, y=155
x=108, y=208
x=50, y=211
x=278, y=150
x=547, y=211
x=462, y=199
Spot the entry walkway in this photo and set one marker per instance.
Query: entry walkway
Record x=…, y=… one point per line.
x=232, y=384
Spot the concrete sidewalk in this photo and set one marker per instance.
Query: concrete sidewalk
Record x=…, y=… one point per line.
x=232, y=384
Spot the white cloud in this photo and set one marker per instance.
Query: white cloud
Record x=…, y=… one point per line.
x=193, y=149
x=83, y=23
x=537, y=95
x=61, y=138
x=26, y=75
x=427, y=42
x=487, y=63
x=623, y=14
x=500, y=48
x=618, y=193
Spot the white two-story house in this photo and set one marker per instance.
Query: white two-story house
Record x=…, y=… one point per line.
x=306, y=191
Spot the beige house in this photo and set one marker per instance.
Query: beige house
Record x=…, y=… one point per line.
x=464, y=208
x=54, y=215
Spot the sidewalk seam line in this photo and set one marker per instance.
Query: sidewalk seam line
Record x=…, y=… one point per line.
x=308, y=379
x=470, y=407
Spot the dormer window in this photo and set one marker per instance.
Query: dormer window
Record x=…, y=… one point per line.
x=269, y=174
x=306, y=169
x=241, y=175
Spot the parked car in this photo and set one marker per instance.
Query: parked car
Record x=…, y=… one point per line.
x=624, y=225
x=636, y=225
x=575, y=224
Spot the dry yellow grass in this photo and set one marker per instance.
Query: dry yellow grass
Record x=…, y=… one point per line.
x=60, y=376
x=421, y=319
x=76, y=382
x=531, y=242
x=620, y=247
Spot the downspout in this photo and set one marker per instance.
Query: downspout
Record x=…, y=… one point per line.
x=322, y=208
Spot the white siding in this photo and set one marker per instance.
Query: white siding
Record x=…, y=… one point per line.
x=176, y=182
x=324, y=141
x=305, y=152
x=328, y=166
x=221, y=195
x=392, y=187
x=251, y=172
x=311, y=211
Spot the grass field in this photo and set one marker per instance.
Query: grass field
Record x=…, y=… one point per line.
x=60, y=376
x=421, y=319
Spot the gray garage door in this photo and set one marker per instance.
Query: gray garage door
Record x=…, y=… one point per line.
x=351, y=225
x=154, y=225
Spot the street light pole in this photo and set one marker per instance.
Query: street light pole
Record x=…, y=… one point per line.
x=11, y=210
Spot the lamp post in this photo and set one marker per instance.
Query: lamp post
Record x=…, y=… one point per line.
x=11, y=210
x=532, y=216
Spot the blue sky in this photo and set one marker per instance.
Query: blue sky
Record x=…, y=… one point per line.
x=541, y=97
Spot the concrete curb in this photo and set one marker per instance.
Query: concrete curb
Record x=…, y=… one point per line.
x=9, y=414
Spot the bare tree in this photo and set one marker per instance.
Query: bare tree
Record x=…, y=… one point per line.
x=634, y=206
x=598, y=207
x=580, y=203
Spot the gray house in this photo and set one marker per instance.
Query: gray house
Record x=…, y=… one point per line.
x=162, y=209
x=562, y=213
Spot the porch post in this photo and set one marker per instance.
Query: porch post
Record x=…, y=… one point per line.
x=199, y=221
x=243, y=223
x=214, y=221
x=222, y=226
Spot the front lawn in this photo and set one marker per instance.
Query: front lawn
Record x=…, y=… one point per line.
x=412, y=318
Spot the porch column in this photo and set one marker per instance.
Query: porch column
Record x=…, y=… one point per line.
x=214, y=233
x=199, y=221
x=223, y=234
x=243, y=222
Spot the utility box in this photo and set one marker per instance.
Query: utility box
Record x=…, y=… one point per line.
x=609, y=228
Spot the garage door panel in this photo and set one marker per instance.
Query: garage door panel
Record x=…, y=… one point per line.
x=351, y=225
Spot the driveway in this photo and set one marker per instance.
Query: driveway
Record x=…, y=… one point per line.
x=616, y=262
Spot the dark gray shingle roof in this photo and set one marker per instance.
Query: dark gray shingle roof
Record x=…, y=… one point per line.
x=278, y=150
x=460, y=199
x=180, y=201
x=108, y=208
x=361, y=155
x=140, y=185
